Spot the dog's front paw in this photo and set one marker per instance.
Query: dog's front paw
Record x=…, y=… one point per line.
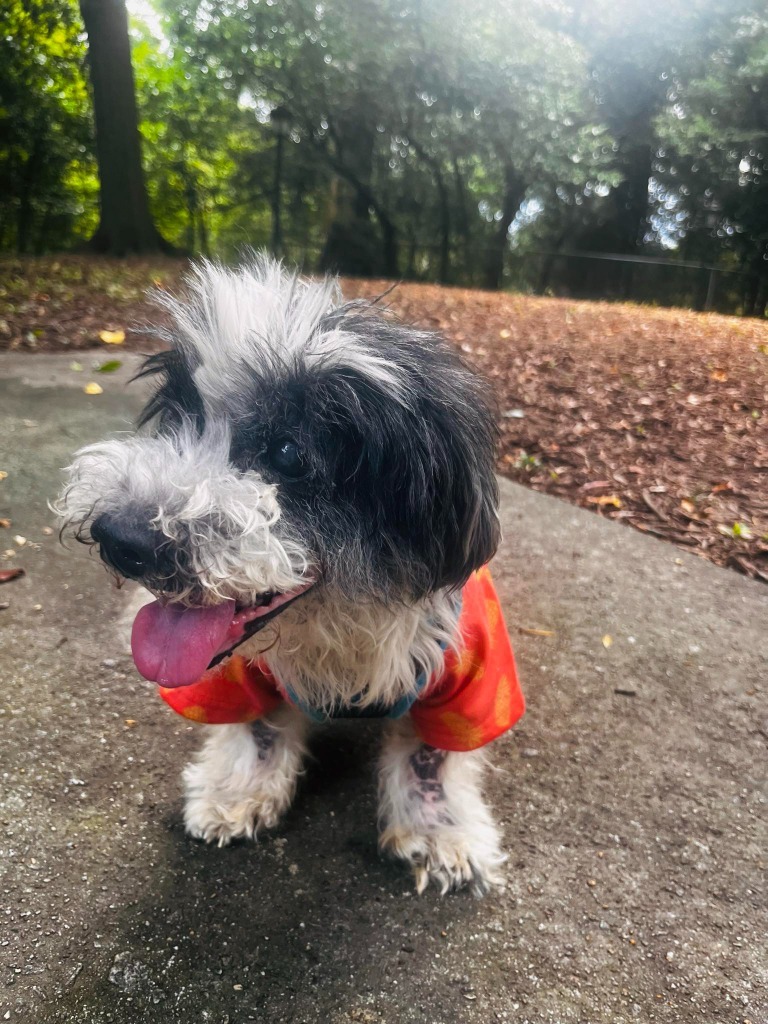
x=446, y=857
x=223, y=812
x=214, y=819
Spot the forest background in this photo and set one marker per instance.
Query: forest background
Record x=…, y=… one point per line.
x=589, y=148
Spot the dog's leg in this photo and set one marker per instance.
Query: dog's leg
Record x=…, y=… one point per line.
x=244, y=778
x=432, y=814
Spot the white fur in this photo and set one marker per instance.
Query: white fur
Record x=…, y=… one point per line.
x=227, y=517
x=461, y=851
x=232, y=315
x=231, y=792
x=328, y=649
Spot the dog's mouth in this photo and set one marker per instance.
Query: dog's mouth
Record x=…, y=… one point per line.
x=174, y=644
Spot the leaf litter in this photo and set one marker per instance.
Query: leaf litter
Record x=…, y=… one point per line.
x=657, y=418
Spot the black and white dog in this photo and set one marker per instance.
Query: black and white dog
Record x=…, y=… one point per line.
x=311, y=483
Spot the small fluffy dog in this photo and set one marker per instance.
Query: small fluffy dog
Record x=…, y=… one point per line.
x=312, y=485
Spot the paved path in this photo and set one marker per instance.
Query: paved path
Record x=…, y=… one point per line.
x=632, y=797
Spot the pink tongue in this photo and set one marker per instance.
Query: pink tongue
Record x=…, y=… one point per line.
x=173, y=645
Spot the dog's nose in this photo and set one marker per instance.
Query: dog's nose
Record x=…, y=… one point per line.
x=131, y=545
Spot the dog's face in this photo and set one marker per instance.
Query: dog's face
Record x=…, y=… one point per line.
x=291, y=443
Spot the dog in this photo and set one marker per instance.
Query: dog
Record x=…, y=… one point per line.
x=310, y=497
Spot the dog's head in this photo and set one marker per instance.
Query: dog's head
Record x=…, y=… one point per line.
x=292, y=442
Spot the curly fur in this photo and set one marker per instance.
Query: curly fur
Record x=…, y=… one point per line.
x=388, y=507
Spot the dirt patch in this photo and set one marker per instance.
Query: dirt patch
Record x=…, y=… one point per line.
x=658, y=418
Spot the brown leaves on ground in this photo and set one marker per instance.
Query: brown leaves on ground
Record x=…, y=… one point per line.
x=66, y=303
x=655, y=417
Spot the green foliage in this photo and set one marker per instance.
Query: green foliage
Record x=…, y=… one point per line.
x=714, y=162
x=47, y=180
x=423, y=138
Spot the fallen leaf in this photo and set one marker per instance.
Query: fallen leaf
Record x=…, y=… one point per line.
x=505, y=333
x=3, y=475
x=595, y=485
x=93, y=389
x=130, y=722
x=606, y=499
x=738, y=531
x=112, y=337
x=47, y=530
x=77, y=367
x=21, y=541
x=607, y=640
x=6, y=575
x=687, y=506
x=5, y=524
x=537, y=632
x=720, y=375
x=110, y=366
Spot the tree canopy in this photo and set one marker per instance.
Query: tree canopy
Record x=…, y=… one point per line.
x=427, y=138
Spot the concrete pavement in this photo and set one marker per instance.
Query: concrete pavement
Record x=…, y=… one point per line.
x=632, y=796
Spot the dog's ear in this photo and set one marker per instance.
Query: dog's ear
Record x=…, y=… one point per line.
x=421, y=472
x=451, y=504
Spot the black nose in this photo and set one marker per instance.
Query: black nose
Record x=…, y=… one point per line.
x=129, y=543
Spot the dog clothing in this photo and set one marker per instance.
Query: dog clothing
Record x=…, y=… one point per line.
x=476, y=697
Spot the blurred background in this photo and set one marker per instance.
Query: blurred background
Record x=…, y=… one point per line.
x=590, y=149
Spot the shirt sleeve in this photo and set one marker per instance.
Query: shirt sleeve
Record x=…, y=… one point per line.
x=478, y=696
x=236, y=691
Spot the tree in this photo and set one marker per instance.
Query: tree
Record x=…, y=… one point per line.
x=389, y=98
x=712, y=167
x=125, y=223
x=47, y=177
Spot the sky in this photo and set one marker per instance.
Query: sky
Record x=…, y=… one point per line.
x=143, y=9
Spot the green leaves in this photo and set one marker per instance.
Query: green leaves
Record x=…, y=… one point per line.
x=45, y=160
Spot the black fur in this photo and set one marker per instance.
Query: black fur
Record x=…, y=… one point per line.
x=399, y=499
x=176, y=397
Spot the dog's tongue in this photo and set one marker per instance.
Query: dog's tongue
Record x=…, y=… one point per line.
x=174, y=645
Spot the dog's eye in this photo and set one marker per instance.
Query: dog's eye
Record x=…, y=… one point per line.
x=287, y=458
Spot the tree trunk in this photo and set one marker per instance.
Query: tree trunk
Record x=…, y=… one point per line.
x=463, y=222
x=514, y=193
x=444, y=208
x=756, y=297
x=125, y=223
x=25, y=213
x=347, y=248
x=352, y=246
x=631, y=197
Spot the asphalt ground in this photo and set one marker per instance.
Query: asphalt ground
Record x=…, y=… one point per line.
x=632, y=795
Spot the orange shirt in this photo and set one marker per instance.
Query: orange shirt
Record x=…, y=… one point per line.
x=476, y=698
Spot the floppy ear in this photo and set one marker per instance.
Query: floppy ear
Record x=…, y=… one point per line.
x=454, y=497
x=421, y=468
